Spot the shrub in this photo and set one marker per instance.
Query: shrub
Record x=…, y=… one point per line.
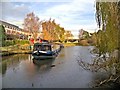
x=14, y=42
x=9, y=42
x=21, y=42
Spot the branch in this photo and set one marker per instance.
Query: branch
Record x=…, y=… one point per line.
x=111, y=79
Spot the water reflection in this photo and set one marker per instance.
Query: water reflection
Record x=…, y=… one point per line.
x=11, y=61
x=26, y=63
x=43, y=64
x=4, y=68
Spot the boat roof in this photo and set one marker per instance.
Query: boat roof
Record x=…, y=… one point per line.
x=48, y=44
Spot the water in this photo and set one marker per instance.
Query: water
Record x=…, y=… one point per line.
x=20, y=71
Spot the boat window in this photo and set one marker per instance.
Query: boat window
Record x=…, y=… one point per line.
x=45, y=48
x=37, y=47
x=42, y=47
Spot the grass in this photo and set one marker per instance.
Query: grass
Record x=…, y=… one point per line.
x=15, y=49
x=73, y=44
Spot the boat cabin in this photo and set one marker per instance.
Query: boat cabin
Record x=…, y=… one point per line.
x=42, y=47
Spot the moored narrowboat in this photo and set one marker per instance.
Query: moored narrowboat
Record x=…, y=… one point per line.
x=44, y=51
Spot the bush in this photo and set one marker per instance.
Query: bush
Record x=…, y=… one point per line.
x=21, y=42
x=9, y=42
x=14, y=42
x=84, y=42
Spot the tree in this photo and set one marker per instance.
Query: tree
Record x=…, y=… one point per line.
x=119, y=28
x=107, y=18
x=32, y=24
x=2, y=35
x=80, y=33
x=83, y=34
x=61, y=34
x=60, y=31
x=52, y=31
x=47, y=29
x=68, y=35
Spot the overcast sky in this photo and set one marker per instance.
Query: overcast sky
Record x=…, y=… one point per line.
x=71, y=14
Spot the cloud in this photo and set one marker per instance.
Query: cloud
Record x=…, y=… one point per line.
x=72, y=15
x=14, y=12
x=76, y=15
x=36, y=0
x=0, y=10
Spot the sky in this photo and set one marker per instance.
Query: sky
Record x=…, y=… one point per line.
x=73, y=15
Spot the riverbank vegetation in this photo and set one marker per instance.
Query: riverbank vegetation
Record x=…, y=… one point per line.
x=2, y=35
x=10, y=47
x=107, y=42
x=86, y=38
x=108, y=18
x=71, y=44
x=5, y=42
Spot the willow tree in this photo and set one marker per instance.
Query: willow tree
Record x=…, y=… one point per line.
x=32, y=24
x=107, y=19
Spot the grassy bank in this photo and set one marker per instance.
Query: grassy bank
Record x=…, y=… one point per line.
x=15, y=49
x=10, y=47
x=70, y=44
x=83, y=42
x=74, y=44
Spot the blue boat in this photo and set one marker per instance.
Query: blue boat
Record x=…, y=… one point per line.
x=44, y=51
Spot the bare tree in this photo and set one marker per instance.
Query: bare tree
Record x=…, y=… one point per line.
x=32, y=24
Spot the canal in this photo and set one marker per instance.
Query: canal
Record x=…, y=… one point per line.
x=20, y=71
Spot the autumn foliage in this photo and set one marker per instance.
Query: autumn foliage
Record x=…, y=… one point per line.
x=51, y=31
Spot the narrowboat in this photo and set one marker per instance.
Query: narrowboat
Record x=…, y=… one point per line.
x=44, y=51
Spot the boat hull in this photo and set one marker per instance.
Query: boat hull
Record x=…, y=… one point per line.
x=44, y=57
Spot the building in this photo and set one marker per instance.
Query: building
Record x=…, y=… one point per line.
x=13, y=31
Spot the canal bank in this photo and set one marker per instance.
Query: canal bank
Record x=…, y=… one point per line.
x=15, y=49
x=75, y=44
